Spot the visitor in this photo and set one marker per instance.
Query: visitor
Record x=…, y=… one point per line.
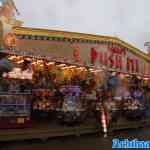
x=138, y=95
x=58, y=94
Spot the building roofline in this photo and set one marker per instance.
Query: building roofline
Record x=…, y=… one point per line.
x=68, y=34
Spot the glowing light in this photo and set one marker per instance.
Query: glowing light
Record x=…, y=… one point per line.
x=96, y=71
x=12, y=57
x=34, y=63
x=139, y=77
x=121, y=75
x=127, y=75
x=91, y=69
x=81, y=68
x=16, y=73
x=41, y=65
x=29, y=59
x=19, y=62
x=146, y=78
x=61, y=65
x=40, y=61
x=65, y=67
x=50, y=63
x=113, y=73
x=73, y=66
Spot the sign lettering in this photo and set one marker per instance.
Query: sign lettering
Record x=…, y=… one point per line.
x=113, y=58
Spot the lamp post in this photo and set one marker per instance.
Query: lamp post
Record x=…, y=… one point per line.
x=147, y=44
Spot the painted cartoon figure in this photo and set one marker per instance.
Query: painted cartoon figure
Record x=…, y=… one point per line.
x=8, y=8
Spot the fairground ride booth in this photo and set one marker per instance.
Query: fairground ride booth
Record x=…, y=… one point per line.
x=86, y=69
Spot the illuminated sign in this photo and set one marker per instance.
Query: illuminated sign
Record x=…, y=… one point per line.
x=115, y=58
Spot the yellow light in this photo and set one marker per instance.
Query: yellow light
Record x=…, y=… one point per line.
x=41, y=65
x=96, y=71
x=11, y=57
x=127, y=75
x=61, y=65
x=81, y=68
x=19, y=57
x=19, y=62
x=146, y=78
x=139, y=77
x=72, y=66
x=39, y=61
x=121, y=75
x=29, y=59
x=65, y=67
x=50, y=63
x=34, y=63
x=91, y=69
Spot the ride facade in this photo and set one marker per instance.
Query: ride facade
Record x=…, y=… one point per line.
x=72, y=77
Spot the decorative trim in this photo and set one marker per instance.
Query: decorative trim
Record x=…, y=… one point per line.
x=88, y=37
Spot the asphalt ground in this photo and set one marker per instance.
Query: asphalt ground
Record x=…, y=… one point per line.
x=86, y=142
